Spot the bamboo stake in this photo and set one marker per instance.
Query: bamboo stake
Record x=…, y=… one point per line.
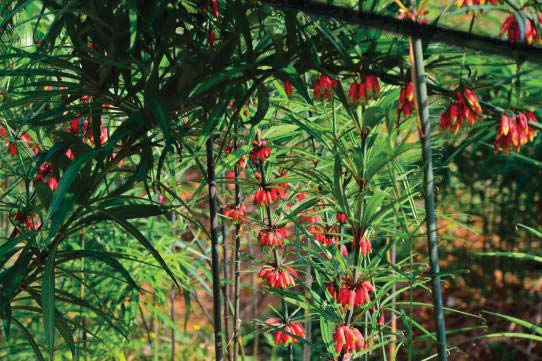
x=237, y=265
x=211, y=179
x=422, y=107
x=225, y=288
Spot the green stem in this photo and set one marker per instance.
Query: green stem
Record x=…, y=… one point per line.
x=419, y=81
x=276, y=256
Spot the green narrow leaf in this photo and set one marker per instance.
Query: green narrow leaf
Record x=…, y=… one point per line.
x=65, y=182
x=517, y=255
x=526, y=324
x=128, y=227
x=48, y=298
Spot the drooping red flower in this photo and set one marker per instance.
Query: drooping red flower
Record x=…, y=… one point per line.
x=406, y=100
x=352, y=294
x=28, y=139
x=69, y=154
x=348, y=339
x=367, y=89
x=263, y=196
x=242, y=162
x=323, y=87
x=212, y=37
x=372, y=87
x=291, y=327
x=327, y=237
x=12, y=149
x=355, y=92
x=332, y=290
x=78, y=126
x=104, y=134
x=260, y=151
x=461, y=3
x=280, y=190
x=341, y=218
x=299, y=197
x=272, y=237
x=513, y=30
x=363, y=242
x=12, y=143
x=214, y=7
x=288, y=89
x=236, y=214
x=52, y=183
x=29, y=222
x=514, y=131
x=466, y=107
x=282, y=277
x=473, y=104
x=46, y=175
x=309, y=216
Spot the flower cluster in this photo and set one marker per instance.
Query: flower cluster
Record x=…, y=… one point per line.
x=214, y=11
x=46, y=175
x=289, y=327
x=265, y=196
x=466, y=107
x=237, y=214
x=12, y=144
x=78, y=126
x=363, y=242
x=513, y=30
x=461, y=3
x=278, y=278
x=514, y=131
x=27, y=221
x=269, y=193
x=327, y=237
x=260, y=151
x=272, y=237
x=406, y=100
x=351, y=294
x=323, y=87
x=348, y=339
x=309, y=216
x=418, y=16
x=367, y=89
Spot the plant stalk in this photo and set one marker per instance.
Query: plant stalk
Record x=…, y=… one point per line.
x=422, y=106
x=276, y=256
x=225, y=288
x=215, y=262
x=237, y=265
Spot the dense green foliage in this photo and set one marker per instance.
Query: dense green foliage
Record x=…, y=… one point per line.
x=105, y=247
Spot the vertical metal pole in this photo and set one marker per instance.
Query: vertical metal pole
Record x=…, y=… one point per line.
x=211, y=179
x=420, y=86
